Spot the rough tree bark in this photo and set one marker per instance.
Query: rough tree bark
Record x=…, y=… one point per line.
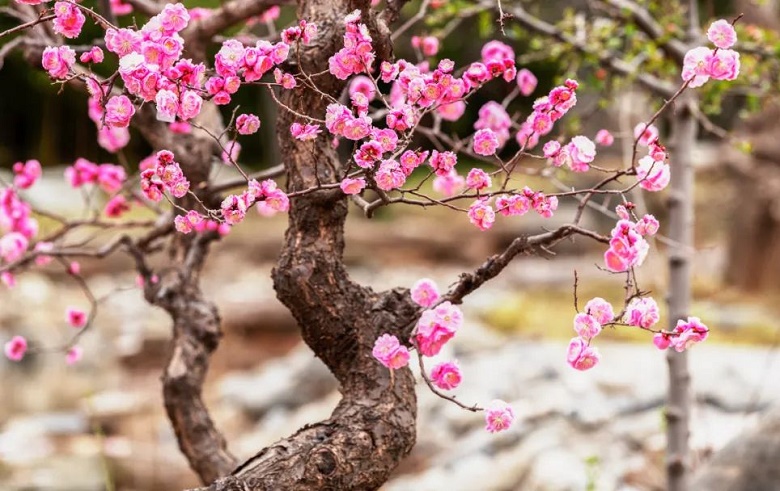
x=373, y=426
x=681, y=228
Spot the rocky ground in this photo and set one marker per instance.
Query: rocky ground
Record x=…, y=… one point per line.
x=100, y=425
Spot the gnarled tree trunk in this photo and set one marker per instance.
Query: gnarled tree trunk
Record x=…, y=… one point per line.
x=373, y=426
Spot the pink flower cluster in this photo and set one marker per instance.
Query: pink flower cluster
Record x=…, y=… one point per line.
x=437, y=326
x=305, y=131
x=304, y=31
x=547, y=110
x=519, y=204
x=16, y=348
x=702, y=63
x=627, y=247
x=390, y=353
x=685, y=334
x=58, y=61
x=357, y=55
x=109, y=177
x=578, y=153
x=165, y=176
x=68, y=19
x=234, y=207
x=26, y=174
x=353, y=186
x=641, y=312
x=588, y=324
x=15, y=219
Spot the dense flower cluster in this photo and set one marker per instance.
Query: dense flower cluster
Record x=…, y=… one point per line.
x=166, y=175
x=702, y=63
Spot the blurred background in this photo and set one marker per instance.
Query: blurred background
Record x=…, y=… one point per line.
x=100, y=424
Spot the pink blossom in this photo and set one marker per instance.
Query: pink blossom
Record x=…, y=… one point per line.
x=485, y=142
x=604, y=138
x=277, y=200
x=74, y=355
x=113, y=139
x=286, y=80
x=188, y=222
x=723, y=64
x=646, y=136
x=190, y=104
x=446, y=375
x=305, y=132
x=76, y=317
x=16, y=348
x=353, y=186
x=363, y=85
x=119, y=8
x=600, y=309
x=496, y=50
x=123, y=42
x=627, y=248
x=513, y=205
x=425, y=293
x=478, y=179
x=586, y=326
x=481, y=214
x=642, y=312
x=582, y=152
x=688, y=333
x=387, y=138
x=111, y=177
x=174, y=17
x=647, y=225
x=74, y=268
x=94, y=55
x=12, y=246
x=68, y=19
x=449, y=184
x=661, y=340
x=695, y=67
x=233, y=209
x=722, y=34
x=390, y=175
x=390, y=352
x=436, y=327
x=443, y=162
x=119, y=111
x=551, y=149
x=582, y=356
x=58, y=61
x=26, y=174
x=526, y=80
x=247, y=124
x=498, y=416
x=652, y=175
x=368, y=153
